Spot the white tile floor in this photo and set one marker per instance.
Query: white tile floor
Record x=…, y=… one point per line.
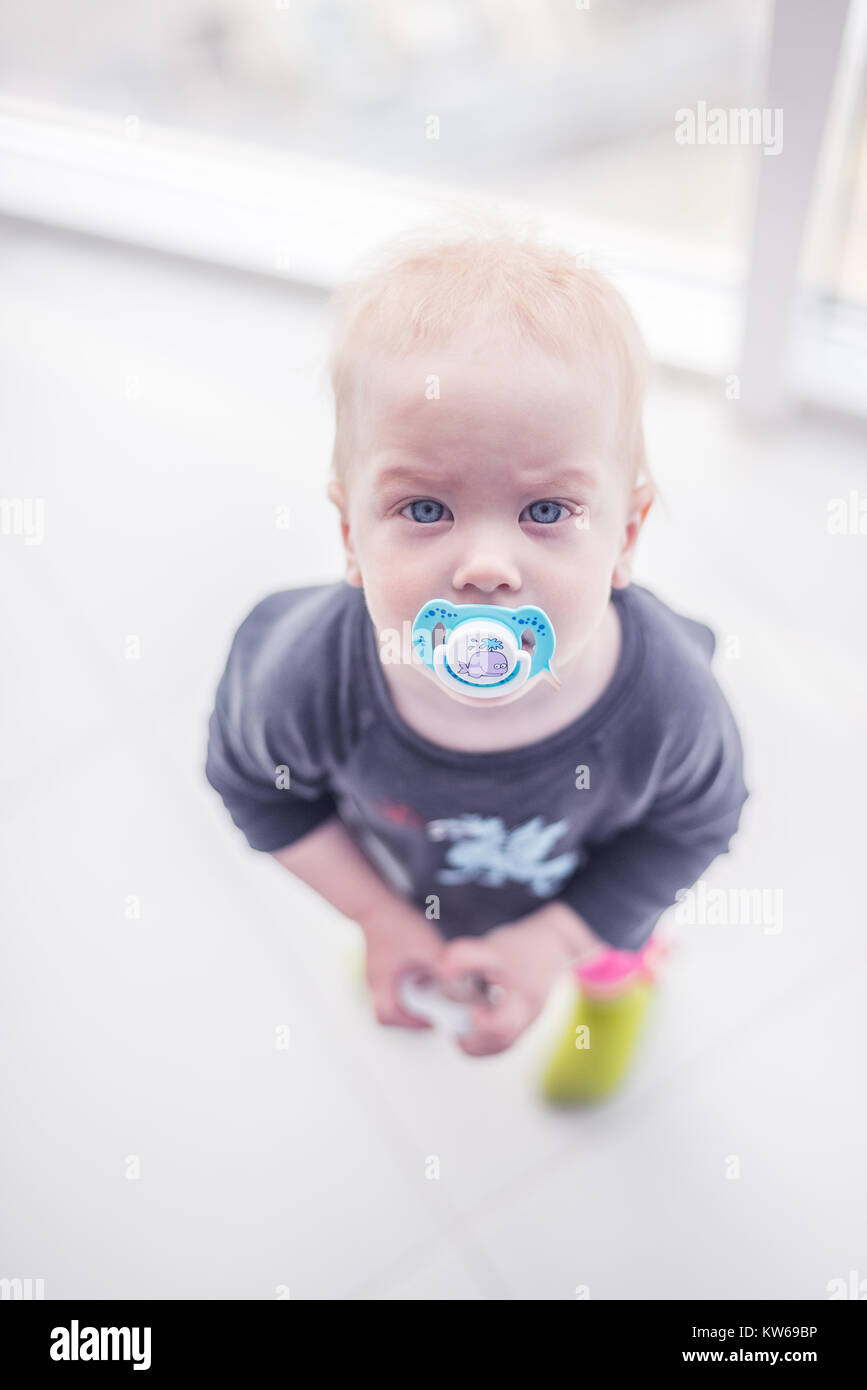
x=164, y=413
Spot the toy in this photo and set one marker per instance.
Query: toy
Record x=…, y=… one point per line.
x=449, y=1007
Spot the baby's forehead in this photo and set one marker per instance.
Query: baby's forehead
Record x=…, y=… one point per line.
x=445, y=379
x=476, y=351
x=524, y=403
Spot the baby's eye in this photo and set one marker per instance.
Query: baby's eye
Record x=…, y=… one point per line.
x=425, y=509
x=547, y=512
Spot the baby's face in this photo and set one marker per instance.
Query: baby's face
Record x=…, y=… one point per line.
x=505, y=488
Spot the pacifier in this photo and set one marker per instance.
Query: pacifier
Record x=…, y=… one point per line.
x=482, y=655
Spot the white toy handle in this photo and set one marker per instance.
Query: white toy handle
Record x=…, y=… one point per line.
x=420, y=996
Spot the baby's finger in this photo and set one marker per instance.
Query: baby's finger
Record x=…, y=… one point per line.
x=395, y=1017
x=390, y=1011
x=494, y=1028
x=464, y=956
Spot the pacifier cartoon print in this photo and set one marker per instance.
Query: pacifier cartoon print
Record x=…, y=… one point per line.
x=482, y=654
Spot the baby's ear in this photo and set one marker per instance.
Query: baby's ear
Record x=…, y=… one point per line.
x=639, y=504
x=337, y=495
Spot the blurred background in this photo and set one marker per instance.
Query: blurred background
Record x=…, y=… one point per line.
x=200, y=1103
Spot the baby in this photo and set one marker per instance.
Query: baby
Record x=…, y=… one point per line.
x=488, y=450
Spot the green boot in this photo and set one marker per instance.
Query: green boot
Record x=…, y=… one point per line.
x=597, y=1047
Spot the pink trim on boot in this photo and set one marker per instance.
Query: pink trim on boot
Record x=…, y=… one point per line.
x=613, y=967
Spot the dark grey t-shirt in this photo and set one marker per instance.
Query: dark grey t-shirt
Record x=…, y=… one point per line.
x=613, y=814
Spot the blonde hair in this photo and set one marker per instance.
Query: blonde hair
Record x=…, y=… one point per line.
x=424, y=288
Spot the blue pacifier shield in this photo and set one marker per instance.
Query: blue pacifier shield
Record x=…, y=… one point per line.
x=482, y=653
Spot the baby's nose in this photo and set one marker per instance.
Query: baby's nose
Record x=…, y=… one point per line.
x=486, y=568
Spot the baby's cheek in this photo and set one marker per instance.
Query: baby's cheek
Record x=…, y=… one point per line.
x=394, y=595
x=578, y=610
x=406, y=582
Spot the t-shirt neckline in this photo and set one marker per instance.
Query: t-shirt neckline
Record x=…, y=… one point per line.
x=603, y=707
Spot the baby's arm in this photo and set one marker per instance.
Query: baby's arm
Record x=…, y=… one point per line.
x=636, y=875
x=575, y=943
x=397, y=935
x=255, y=738
x=328, y=860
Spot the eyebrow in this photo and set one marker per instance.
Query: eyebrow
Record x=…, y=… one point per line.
x=555, y=481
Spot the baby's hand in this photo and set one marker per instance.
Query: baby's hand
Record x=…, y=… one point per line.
x=398, y=938
x=523, y=958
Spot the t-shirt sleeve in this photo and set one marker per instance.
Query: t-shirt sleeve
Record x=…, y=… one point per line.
x=264, y=755
x=631, y=879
